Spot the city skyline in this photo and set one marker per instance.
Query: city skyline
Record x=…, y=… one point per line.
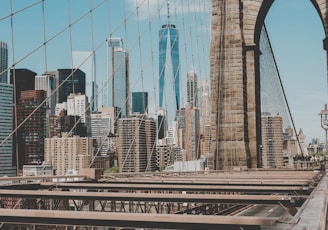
x=278, y=21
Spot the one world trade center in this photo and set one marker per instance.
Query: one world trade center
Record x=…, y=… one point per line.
x=169, y=44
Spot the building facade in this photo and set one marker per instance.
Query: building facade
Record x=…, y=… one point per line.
x=205, y=117
x=192, y=89
x=161, y=123
x=32, y=133
x=6, y=112
x=272, y=141
x=70, y=81
x=68, y=153
x=140, y=102
x=3, y=62
x=78, y=105
x=48, y=84
x=192, y=135
x=169, y=44
x=100, y=129
x=112, y=44
x=22, y=80
x=164, y=154
x=118, y=82
x=136, y=144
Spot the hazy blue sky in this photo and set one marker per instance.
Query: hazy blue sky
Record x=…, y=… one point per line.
x=138, y=26
x=294, y=27
x=296, y=33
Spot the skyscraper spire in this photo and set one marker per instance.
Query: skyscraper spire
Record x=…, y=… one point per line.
x=168, y=12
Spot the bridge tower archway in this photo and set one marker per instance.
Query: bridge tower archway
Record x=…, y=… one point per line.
x=235, y=91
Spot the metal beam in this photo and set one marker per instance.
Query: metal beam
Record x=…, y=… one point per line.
x=106, y=219
x=177, y=187
x=154, y=197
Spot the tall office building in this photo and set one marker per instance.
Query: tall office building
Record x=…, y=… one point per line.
x=118, y=80
x=86, y=61
x=3, y=62
x=192, y=136
x=100, y=129
x=6, y=121
x=205, y=117
x=71, y=81
x=192, y=90
x=180, y=119
x=161, y=123
x=169, y=44
x=140, y=102
x=136, y=144
x=32, y=133
x=272, y=141
x=72, y=126
x=164, y=154
x=68, y=153
x=22, y=79
x=48, y=84
x=78, y=105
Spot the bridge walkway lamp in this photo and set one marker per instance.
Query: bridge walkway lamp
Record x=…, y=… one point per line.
x=324, y=124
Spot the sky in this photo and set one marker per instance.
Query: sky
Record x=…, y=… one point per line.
x=296, y=34
x=294, y=27
x=138, y=26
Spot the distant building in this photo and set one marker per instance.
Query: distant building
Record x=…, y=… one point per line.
x=172, y=134
x=3, y=62
x=164, y=154
x=192, y=90
x=205, y=117
x=169, y=44
x=71, y=81
x=136, y=144
x=53, y=126
x=161, y=124
x=272, y=141
x=206, y=140
x=32, y=133
x=140, y=102
x=24, y=80
x=189, y=166
x=180, y=119
x=60, y=107
x=48, y=84
x=192, y=135
x=118, y=82
x=78, y=105
x=72, y=126
x=38, y=170
x=100, y=129
x=6, y=123
x=68, y=153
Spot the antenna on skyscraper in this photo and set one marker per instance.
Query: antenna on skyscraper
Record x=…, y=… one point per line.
x=168, y=12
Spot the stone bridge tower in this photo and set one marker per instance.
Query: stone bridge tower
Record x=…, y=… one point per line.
x=235, y=80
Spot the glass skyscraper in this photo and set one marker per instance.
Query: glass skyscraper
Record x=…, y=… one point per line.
x=6, y=124
x=118, y=82
x=140, y=102
x=3, y=62
x=75, y=83
x=169, y=44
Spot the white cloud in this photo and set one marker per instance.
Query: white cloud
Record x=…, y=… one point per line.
x=153, y=8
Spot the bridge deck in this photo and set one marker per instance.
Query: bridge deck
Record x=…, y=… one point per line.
x=281, y=199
